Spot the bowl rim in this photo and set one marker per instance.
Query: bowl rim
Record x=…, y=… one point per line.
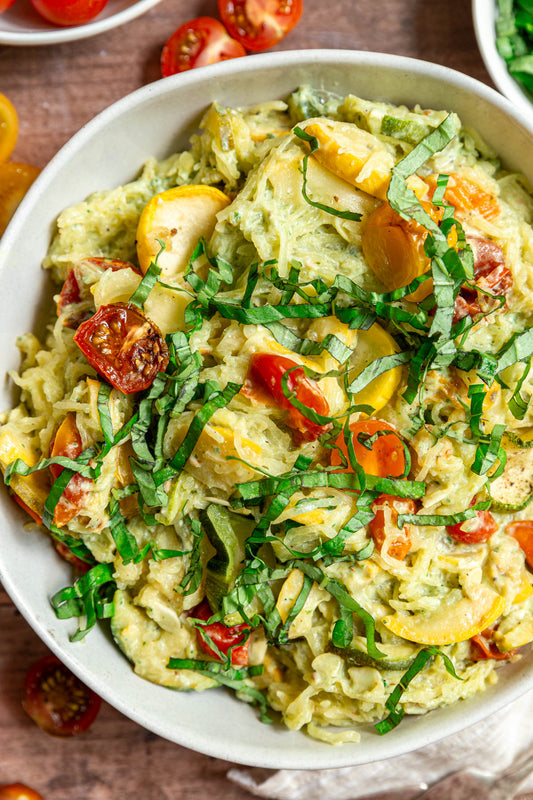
x=57, y=35
x=410, y=737
x=484, y=15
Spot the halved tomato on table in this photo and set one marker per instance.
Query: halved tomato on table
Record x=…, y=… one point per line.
x=124, y=346
x=57, y=700
x=18, y=791
x=197, y=43
x=259, y=24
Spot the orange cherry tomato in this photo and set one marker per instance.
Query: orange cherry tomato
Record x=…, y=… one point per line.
x=75, y=290
x=57, y=700
x=386, y=509
x=67, y=442
x=259, y=24
x=8, y=116
x=5, y=4
x=18, y=791
x=264, y=384
x=15, y=180
x=223, y=636
x=476, y=530
x=385, y=458
x=66, y=13
x=522, y=531
x=124, y=346
x=482, y=647
x=466, y=196
x=197, y=43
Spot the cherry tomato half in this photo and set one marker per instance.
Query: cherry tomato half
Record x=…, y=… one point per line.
x=476, y=530
x=8, y=116
x=75, y=290
x=67, y=554
x=223, y=636
x=385, y=458
x=259, y=24
x=68, y=12
x=263, y=384
x=197, y=43
x=482, y=647
x=57, y=700
x=18, y=791
x=522, y=531
x=15, y=180
x=386, y=509
x=124, y=346
x=67, y=442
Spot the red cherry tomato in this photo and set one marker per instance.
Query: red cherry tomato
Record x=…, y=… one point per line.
x=223, y=636
x=385, y=458
x=482, y=647
x=264, y=385
x=124, y=346
x=259, y=24
x=386, y=509
x=197, y=43
x=67, y=442
x=75, y=290
x=68, y=12
x=57, y=700
x=4, y=5
x=66, y=553
x=522, y=531
x=476, y=530
x=490, y=275
x=18, y=791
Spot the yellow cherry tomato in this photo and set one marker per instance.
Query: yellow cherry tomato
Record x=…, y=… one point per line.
x=8, y=127
x=15, y=180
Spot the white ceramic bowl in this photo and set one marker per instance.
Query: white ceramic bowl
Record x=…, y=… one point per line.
x=484, y=13
x=108, y=151
x=22, y=25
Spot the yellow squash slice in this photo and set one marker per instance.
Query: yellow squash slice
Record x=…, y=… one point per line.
x=291, y=588
x=371, y=345
x=179, y=218
x=452, y=622
x=353, y=154
x=32, y=489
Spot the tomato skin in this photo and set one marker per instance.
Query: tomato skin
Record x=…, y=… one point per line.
x=73, y=292
x=67, y=442
x=68, y=12
x=522, y=531
x=124, y=346
x=259, y=24
x=482, y=647
x=67, y=554
x=490, y=274
x=197, y=43
x=18, y=791
x=386, y=509
x=476, y=530
x=387, y=456
x=33, y=514
x=57, y=700
x=264, y=384
x=5, y=4
x=223, y=636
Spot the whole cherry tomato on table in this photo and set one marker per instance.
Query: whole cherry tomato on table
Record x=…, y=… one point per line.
x=15, y=180
x=264, y=384
x=18, y=791
x=68, y=12
x=259, y=24
x=124, y=346
x=57, y=700
x=197, y=43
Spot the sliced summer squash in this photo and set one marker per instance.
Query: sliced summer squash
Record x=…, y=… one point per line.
x=513, y=490
x=452, y=622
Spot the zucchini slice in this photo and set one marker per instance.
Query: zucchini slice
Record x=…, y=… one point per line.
x=227, y=532
x=513, y=490
x=397, y=656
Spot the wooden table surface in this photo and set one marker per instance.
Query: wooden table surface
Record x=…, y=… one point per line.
x=56, y=89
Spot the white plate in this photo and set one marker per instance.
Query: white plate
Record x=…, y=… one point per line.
x=22, y=25
x=484, y=13
x=108, y=151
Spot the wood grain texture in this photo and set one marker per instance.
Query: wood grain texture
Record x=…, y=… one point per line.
x=57, y=89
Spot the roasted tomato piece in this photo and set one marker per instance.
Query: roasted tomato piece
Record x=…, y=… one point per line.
x=490, y=275
x=75, y=290
x=483, y=647
x=67, y=554
x=522, y=531
x=385, y=524
x=223, y=636
x=466, y=196
x=197, y=43
x=18, y=791
x=67, y=442
x=124, y=346
x=264, y=384
x=68, y=12
x=57, y=700
x=384, y=458
x=259, y=24
x=476, y=530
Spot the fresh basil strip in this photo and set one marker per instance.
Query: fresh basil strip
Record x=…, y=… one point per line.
x=148, y=282
x=104, y=413
x=91, y=596
x=518, y=406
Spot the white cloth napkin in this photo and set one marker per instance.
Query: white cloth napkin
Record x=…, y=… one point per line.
x=489, y=746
